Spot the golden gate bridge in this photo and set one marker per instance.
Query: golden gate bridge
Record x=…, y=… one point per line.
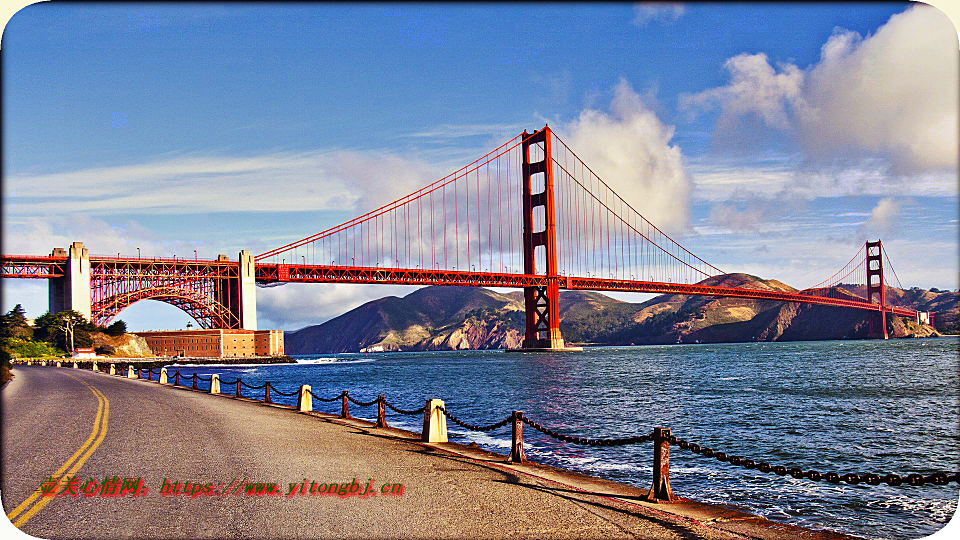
x=529, y=214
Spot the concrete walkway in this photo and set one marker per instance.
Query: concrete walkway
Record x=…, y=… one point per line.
x=157, y=432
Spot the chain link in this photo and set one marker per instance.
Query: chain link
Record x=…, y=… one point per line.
x=273, y=390
x=472, y=427
x=362, y=404
x=583, y=440
x=404, y=411
x=937, y=479
x=318, y=398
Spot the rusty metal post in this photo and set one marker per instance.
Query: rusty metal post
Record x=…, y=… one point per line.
x=237, y=394
x=381, y=411
x=266, y=393
x=516, y=444
x=344, y=409
x=661, y=491
x=176, y=378
x=194, y=381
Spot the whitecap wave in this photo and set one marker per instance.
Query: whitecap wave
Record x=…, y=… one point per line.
x=332, y=360
x=482, y=438
x=324, y=360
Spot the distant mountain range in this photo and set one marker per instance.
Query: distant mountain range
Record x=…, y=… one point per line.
x=445, y=318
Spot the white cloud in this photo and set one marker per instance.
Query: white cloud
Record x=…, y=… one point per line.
x=279, y=182
x=892, y=94
x=666, y=12
x=720, y=181
x=884, y=217
x=717, y=182
x=629, y=148
x=747, y=218
x=755, y=88
x=38, y=236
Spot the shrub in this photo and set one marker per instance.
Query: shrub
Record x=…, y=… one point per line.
x=27, y=348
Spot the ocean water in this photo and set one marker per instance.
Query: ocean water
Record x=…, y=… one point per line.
x=844, y=406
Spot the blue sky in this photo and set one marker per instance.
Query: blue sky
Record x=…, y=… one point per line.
x=786, y=134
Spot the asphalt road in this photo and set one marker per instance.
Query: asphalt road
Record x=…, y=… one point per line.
x=61, y=421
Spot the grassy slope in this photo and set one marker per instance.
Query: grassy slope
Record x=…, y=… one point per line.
x=464, y=317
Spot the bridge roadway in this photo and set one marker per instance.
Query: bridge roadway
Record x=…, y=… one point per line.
x=187, y=270
x=155, y=432
x=298, y=273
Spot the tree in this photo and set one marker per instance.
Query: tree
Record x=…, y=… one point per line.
x=14, y=324
x=118, y=328
x=43, y=327
x=67, y=321
x=17, y=315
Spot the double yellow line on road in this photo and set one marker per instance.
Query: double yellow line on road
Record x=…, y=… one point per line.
x=25, y=510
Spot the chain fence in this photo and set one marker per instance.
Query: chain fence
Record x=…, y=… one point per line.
x=404, y=411
x=872, y=479
x=660, y=436
x=362, y=403
x=318, y=398
x=273, y=390
x=472, y=427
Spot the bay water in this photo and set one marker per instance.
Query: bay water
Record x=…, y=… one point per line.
x=844, y=406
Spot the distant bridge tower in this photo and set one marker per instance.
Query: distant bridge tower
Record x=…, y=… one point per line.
x=72, y=291
x=541, y=303
x=875, y=289
x=239, y=293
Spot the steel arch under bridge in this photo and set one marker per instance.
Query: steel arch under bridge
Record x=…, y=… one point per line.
x=208, y=291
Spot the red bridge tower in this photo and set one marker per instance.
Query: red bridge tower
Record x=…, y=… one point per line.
x=878, y=321
x=541, y=303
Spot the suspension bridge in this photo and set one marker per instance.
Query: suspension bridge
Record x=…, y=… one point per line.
x=529, y=214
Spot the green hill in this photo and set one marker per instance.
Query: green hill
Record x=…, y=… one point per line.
x=450, y=318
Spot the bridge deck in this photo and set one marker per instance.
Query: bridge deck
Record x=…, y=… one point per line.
x=40, y=267
x=294, y=273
